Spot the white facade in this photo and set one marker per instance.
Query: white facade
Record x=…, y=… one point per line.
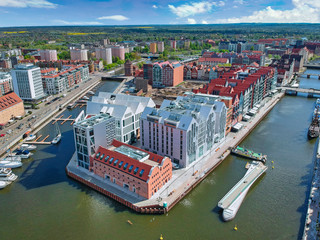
x=90, y=133
x=185, y=129
x=27, y=83
x=11, y=52
x=79, y=54
x=5, y=83
x=160, y=46
x=48, y=55
x=105, y=54
x=125, y=108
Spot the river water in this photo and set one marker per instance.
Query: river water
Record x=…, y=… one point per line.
x=45, y=204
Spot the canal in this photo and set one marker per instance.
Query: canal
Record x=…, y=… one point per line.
x=45, y=204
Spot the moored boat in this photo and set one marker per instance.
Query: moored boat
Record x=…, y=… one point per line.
x=6, y=174
x=314, y=128
x=249, y=154
x=3, y=184
x=58, y=137
x=28, y=147
x=5, y=163
x=30, y=137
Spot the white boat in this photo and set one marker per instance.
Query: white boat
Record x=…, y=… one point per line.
x=31, y=137
x=85, y=98
x=58, y=137
x=10, y=164
x=6, y=174
x=3, y=184
x=28, y=147
x=90, y=92
x=24, y=154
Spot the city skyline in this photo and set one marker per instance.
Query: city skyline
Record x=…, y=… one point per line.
x=124, y=12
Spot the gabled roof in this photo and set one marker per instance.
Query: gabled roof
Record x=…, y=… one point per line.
x=9, y=100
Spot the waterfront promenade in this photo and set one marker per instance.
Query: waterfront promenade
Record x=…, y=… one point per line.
x=183, y=180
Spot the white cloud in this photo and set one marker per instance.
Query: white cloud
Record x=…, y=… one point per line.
x=27, y=3
x=114, y=17
x=186, y=10
x=63, y=22
x=204, y=22
x=241, y=2
x=192, y=21
x=154, y=6
x=304, y=11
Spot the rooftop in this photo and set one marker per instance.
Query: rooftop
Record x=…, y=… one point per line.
x=89, y=122
x=131, y=152
x=25, y=66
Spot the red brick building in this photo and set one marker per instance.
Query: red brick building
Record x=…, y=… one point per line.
x=10, y=106
x=134, y=169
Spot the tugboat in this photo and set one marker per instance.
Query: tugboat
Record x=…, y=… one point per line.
x=314, y=129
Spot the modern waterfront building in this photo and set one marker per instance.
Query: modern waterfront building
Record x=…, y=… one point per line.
x=55, y=82
x=5, y=83
x=27, y=83
x=79, y=54
x=10, y=106
x=126, y=109
x=48, y=55
x=153, y=47
x=90, y=132
x=118, y=51
x=133, y=169
x=105, y=54
x=185, y=129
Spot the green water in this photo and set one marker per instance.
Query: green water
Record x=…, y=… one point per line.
x=45, y=204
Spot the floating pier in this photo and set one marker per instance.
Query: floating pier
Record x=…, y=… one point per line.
x=231, y=202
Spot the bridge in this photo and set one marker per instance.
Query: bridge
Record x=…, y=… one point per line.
x=294, y=91
x=312, y=65
x=309, y=75
x=231, y=202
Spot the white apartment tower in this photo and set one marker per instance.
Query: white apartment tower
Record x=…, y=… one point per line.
x=105, y=54
x=79, y=54
x=27, y=83
x=48, y=55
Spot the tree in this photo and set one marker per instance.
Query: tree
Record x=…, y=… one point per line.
x=64, y=55
x=252, y=48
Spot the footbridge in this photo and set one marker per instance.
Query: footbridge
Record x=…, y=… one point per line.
x=294, y=91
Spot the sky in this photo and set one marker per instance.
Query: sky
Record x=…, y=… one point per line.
x=148, y=12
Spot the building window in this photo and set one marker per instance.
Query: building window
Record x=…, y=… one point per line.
x=125, y=166
x=130, y=168
x=136, y=170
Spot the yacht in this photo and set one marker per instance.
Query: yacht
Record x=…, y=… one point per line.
x=6, y=174
x=58, y=137
x=30, y=137
x=11, y=162
x=23, y=153
x=28, y=147
x=3, y=184
x=85, y=98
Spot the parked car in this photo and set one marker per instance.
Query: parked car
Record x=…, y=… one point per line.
x=2, y=134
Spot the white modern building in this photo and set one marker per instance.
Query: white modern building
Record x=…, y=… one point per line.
x=90, y=132
x=79, y=54
x=186, y=129
x=105, y=54
x=125, y=108
x=48, y=55
x=27, y=83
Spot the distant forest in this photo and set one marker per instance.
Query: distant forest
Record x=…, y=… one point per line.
x=34, y=36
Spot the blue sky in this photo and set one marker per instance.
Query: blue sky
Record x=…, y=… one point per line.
x=144, y=12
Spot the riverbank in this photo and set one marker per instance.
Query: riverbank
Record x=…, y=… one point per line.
x=48, y=115
x=183, y=180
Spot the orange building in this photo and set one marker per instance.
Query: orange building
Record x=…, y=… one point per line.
x=131, y=168
x=10, y=106
x=153, y=47
x=172, y=74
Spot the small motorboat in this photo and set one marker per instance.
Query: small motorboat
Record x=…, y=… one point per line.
x=3, y=184
x=31, y=137
x=56, y=139
x=23, y=153
x=6, y=174
x=10, y=163
x=28, y=147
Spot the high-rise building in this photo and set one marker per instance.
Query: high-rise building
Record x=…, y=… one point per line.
x=48, y=55
x=186, y=129
x=90, y=132
x=105, y=42
x=128, y=68
x=173, y=44
x=5, y=63
x=79, y=54
x=27, y=83
x=105, y=54
x=5, y=83
x=126, y=109
x=160, y=46
x=153, y=47
x=118, y=51
x=187, y=44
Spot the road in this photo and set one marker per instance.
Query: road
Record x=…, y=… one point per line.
x=29, y=122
